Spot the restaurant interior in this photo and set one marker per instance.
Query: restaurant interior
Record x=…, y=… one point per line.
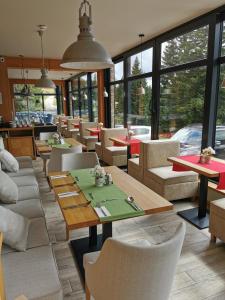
x=112, y=150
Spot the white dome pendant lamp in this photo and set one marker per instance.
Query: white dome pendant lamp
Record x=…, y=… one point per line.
x=86, y=53
x=44, y=82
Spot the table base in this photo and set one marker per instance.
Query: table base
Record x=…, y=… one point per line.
x=89, y=244
x=191, y=215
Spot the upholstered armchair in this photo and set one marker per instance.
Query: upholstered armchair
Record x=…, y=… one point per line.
x=135, y=165
x=159, y=176
x=113, y=155
x=85, y=137
x=123, y=271
x=98, y=147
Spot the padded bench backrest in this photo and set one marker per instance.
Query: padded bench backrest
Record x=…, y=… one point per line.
x=157, y=152
x=106, y=133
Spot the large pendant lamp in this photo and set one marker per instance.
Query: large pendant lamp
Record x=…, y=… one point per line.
x=141, y=90
x=86, y=53
x=44, y=82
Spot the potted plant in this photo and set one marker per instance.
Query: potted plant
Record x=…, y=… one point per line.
x=130, y=133
x=206, y=155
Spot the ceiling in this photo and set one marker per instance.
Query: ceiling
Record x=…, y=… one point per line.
x=36, y=74
x=116, y=23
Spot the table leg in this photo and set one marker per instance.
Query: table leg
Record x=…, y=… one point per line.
x=128, y=153
x=106, y=231
x=198, y=216
x=93, y=236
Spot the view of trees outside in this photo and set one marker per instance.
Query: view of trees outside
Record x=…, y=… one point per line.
x=139, y=106
x=117, y=94
x=117, y=72
x=84, y=104
x=38, y=102
x=183, y=92
x=145, y=60
x=94, y=92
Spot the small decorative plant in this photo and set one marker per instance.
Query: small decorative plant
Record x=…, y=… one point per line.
x=206, y=155
x=100, y=125
x=130, y=133
x=99, y=174
x=56, y=138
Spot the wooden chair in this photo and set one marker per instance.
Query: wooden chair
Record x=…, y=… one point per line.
x=2, y=288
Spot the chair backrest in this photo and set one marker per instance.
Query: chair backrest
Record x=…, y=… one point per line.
x=132, y=272
x=84, y=126
x=2, y=288
x=106, y=133
x=71, y=122
x=55, y=161
x=156, y=153
x=2, y=146
x=79, y=161
x=44, y=136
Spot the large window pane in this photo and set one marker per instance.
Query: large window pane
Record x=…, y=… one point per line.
x=181, y=108
x=185, y=48
x=118, y=95
x=83, y=81
x=220, y=128
x=94, y=79
x=50, y=104
x=84, y=105
x=140, y=63
x=117, y=71
x=139, y=106
x=94, y=94
x=223, y=41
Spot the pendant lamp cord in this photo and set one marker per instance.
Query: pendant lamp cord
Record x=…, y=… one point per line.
x=42, y=49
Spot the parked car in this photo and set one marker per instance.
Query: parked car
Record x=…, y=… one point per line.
x=141, y=132
x=190, y=138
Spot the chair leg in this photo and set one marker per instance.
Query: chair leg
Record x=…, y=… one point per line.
x=87, y=292
x=213, y=238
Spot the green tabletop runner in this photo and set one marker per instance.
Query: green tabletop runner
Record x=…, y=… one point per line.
x=63, y=146
x=109, y=196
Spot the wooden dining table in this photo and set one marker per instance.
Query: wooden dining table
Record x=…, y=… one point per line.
x=44, y=147
x=95, y=131
x=85, y=216
x=198, y=216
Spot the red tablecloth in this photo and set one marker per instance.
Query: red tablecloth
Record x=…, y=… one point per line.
x=95, y=131
x=212, y=165
x=76, y=126
x=134, y=144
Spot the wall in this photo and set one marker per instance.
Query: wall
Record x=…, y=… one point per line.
x=6, y=108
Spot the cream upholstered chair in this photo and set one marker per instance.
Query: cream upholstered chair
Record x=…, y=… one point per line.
x=135, y=165
x=159, y=176
x=113, y=155
x=131, y=272
x=75, y=161
x=55, y=161
x=44, y=136
x=71, y=130
x=85, y=137
x=98, y=146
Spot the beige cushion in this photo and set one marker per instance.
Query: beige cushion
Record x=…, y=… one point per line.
x=25, y=180
x=28, y=192
x=165, y=175
x=8, y=189
x=114, y=150
x=32, y=273
x=22, y=172
x=24, y=162
x=29, y=209
x=15, y=229
x=8, y=161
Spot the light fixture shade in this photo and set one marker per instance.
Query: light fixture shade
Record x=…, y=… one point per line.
x=141, y=90
x=44, y=81
x=106, y=95
x=86, y=53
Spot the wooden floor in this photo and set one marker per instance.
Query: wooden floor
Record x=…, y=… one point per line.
x=201, y=268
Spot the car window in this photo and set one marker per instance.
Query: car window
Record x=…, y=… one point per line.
x=220, y=135
x=139, y=131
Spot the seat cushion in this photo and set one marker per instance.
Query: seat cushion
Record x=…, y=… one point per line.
x=91, y=138
x=32, y=273
x=8, y=189
x=114, y=150
x=37, y=236
x=22, y=172
x=15, y=229
x=24, y=162
x=165, y=175
x=8, y=161
x=45, y=155
x=29, y=209
x=25, y=180
x=28, y=192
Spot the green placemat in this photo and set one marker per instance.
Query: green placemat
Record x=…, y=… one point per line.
x=51, y=142
x=110, y=196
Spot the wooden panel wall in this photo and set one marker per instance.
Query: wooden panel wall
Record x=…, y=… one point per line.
x=6, y=108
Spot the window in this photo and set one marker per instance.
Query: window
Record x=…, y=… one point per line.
x=94, y=97
x=117, y=94
x=39, y=104
x=191, y=46
x=117, y=72
x=140, y=63
x=181, y=107
x=94, y=79
x=223, y=41
x=83, y=81
x=139, y=106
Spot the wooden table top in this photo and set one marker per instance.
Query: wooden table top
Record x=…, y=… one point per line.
x=43, y=147
x=93, y=130
x=197, y=168
x=119, y=141
x=148, y=200
x=58, y=182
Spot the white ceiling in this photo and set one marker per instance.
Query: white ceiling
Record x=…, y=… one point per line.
x=36, y=74
x=116, y=23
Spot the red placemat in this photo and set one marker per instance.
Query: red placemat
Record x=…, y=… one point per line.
x=212, y=165
x=95, y=131
x=134, y=144
x=76, y=126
